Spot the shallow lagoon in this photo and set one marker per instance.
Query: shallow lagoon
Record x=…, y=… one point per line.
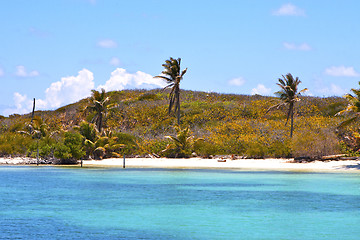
x=114, y=203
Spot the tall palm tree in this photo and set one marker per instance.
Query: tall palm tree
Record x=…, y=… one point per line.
x=353, y=106
x=100, y=104
x=289, y=94
x=172, y=75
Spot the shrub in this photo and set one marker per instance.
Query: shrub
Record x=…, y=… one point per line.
x=315, y=143
x=14, y=144
x=148, y=96
x=152, y=146
x=46, y=149
x=70, y=150
x=280, y=149
x=205, y=149
x=255, y=150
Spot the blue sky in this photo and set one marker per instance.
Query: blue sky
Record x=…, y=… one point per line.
x=57, y=51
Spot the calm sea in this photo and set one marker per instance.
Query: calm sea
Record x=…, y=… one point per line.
x=105, y=203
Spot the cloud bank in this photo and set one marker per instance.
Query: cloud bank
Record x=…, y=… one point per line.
x=121, y=79
x=73, y=88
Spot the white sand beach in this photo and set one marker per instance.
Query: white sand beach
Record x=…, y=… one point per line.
x=199, y=163
x=240, y=164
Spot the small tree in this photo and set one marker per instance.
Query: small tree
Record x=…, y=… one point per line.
x=71, y=149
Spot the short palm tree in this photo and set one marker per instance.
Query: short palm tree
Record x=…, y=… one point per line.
x=100, y=104
x=353, y=107
x=36, y=129
x=182, y=144
x=173, y=76
x=289, y=94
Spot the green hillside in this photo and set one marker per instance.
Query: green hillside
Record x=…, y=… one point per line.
x=138, y=121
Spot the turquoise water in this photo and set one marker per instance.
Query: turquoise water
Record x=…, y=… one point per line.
x=89, y=203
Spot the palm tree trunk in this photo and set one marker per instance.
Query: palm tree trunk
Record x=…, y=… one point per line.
x=292, y=120
x=100, y=122
x=178, y=106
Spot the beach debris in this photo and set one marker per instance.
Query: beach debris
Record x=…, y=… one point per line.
x=333, y=157
x=302, y=159
x=349, y=158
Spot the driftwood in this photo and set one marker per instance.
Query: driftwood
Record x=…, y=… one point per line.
x=349, y=158
x=333, y=157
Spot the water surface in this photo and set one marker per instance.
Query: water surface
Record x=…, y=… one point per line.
x=110, y=203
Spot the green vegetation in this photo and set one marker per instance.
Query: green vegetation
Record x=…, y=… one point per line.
x=181, y=145
x=224, y=124
x=352, y=108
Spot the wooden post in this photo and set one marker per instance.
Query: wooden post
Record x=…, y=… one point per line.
x=124, y=161
x=81, y=162
x=37, y=155
x=33, y=112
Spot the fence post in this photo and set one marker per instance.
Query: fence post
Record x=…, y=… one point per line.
x=124, y=161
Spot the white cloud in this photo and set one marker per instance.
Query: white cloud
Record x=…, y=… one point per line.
x=237, y=82
x=261, y=90
x=114, y=61
x=121, y=79
x=22, y=72
x=289, y=10
x=1, y=72
x=73, y=88
x=67, y=90
x=107, y=43
x=333, y=90
x=70, y=89
x=341, y=71
x=300, y=47
x=22, y=105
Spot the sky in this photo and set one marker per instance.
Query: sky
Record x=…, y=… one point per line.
x=58, y=51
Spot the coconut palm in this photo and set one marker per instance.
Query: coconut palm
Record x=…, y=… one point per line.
x=181, y=144
x=172, y=75
x=289, y=94
x=36, y=129
x=353, y=107
x=100, y=104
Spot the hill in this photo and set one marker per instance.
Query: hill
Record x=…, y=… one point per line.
x=225, y=124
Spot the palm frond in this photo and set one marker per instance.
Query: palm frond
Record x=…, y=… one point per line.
x=347, y=122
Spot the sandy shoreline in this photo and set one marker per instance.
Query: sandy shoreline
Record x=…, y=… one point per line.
x=241, y=164
x=198, y=163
